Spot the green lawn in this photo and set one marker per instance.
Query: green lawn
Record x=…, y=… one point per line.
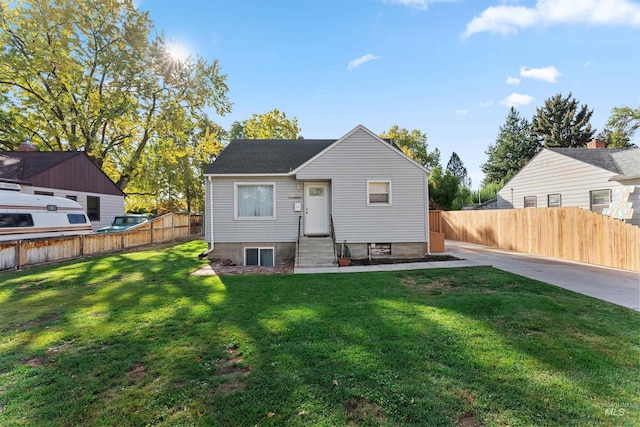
x=132, y=339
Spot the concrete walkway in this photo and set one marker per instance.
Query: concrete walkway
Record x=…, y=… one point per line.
x=619, y=287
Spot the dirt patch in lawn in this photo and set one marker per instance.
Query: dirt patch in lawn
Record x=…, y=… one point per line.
x=137, y=372
x=435, y=286
x=233, y=374
x=34, y=362
x=468, y=419
x=36, y=322
x=359, y=410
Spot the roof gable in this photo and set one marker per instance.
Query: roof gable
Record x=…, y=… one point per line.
x=65, y=170
x=389, y=144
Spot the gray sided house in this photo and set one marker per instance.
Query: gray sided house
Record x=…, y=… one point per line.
x=265, y=196
x=589, y=178
x=69, y=174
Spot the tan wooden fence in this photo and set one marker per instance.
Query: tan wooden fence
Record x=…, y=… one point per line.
x=569, y=233
x=435, y=221
x=21, y=253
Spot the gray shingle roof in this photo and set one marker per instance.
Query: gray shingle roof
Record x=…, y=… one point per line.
x=623, y=161
x=254, y=156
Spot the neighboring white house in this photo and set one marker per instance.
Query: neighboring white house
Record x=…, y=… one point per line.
x=261, y=195
x=583, y=177
x=69, y=174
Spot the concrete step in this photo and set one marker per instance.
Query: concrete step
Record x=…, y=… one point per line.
x=316, y=252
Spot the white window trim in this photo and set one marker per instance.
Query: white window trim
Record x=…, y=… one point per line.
x=259, y=248
x=369, y=181
x=252, y=218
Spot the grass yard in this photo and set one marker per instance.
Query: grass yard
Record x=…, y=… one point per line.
x=132, y=339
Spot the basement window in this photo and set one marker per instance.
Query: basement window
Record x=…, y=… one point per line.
x=259, y=256
x=554, y=200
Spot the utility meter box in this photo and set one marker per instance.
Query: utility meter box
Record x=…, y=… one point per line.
x=297, y=207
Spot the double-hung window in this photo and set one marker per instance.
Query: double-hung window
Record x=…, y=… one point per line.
x=255, y=201
x=378, y=193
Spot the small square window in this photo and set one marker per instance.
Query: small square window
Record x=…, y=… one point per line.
x=554, y=200
x=74, y=198
x=530, y=202
x=378, y=192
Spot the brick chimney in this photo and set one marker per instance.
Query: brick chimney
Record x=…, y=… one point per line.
x=596, y=143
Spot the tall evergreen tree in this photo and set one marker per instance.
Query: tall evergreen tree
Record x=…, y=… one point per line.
x=513, y=148
x=560, y=123
x=457, y=169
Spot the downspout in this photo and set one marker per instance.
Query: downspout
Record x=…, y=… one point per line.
x=213, y=244
x=426, y=223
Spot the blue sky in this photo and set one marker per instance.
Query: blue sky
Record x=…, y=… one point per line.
x=450, y=68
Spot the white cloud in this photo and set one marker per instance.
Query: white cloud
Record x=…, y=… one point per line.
x=508, y=19
x=362, y=60
x=588, y=64
x=516, y=99
x=513, y=81
x=462, y=112
x=547, y=74
x=417, y=4
x=485, y=104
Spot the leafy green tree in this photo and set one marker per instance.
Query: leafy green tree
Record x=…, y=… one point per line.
x=271, y=125
x=561, y=123
x=513, y=148
x=623, y=123
x=87, y=75
x=443, y=188
x=236, y=131
x=413, y=144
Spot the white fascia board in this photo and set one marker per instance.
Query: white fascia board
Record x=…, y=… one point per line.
x=247, y=175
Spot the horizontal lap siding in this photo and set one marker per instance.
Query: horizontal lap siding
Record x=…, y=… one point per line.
x=554, y=173
x=283, y=229
x=349, y=165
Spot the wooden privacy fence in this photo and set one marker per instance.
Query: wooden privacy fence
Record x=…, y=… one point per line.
x=435, y=221
x=569, y=233
x=21, y=253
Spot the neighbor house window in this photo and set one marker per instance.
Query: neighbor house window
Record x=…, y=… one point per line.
x=255, y=201
x=378, y=192
x=43, y=193
x=258, y=256
x=74, y=198
x=600, y=199
x=93, y=208
x=554, y=200
x=530, y=202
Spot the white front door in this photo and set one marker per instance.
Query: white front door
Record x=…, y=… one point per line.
x=316, y=208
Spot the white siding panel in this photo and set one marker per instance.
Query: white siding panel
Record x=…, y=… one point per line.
x=207, y=210
x=349, y=165
x=553, y=173
x=229, y=230
x=110, y=205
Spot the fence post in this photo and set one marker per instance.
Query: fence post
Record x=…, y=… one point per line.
x=18, y=244
x=151, y=225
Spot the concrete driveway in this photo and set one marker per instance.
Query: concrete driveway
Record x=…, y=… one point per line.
x=619, y=287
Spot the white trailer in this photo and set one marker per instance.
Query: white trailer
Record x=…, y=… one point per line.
x=29, y=216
